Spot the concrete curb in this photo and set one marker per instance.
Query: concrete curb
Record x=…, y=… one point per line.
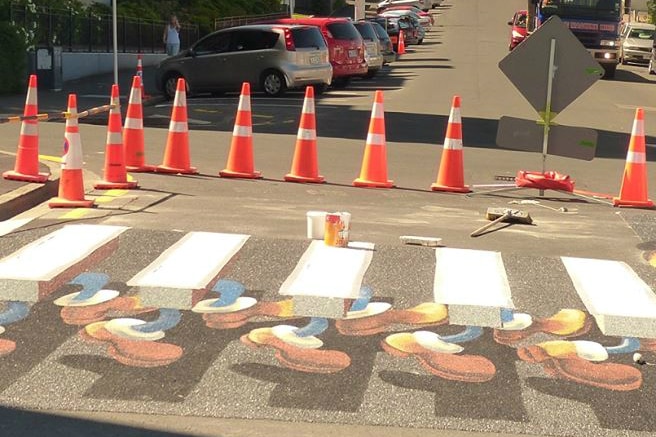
x=29, y=195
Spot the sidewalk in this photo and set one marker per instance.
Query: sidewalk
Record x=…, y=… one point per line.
x=17, y=197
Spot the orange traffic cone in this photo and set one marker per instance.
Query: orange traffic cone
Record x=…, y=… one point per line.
x=133, y=131
x=140, y=74
x=240, y=158
x=27, y=158
x=71, y=182
x=634, y=192
x=176, y=155
x=451, y=174
x=374, y=163
x=401, y=49
x=305, y=166
x=115, y=174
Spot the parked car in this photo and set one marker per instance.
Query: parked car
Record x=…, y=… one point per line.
x=652, y=60
x=424, y=22
x=385, y=43
x=424, y=15
x=372, y=49
x=518, y=31
x=424, y=5
x=394, y=24
x=345, y=46
x=636, y=42
x=270, y=57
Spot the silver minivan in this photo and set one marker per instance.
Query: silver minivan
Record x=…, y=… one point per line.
x=271, y=57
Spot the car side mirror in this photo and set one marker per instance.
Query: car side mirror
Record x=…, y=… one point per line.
x=510, y=23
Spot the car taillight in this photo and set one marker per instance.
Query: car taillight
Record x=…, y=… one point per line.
x=289, y=41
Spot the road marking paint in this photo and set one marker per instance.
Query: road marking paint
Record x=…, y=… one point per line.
x=474, y=285
x=179, y=277
x=57, y=159
x=621, y=302
x=75, y=213
x=36, y=270
x=111, y=195
x=11, y=225
x=325, y=275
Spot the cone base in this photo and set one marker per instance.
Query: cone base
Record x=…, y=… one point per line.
x=106, y=185
x=464, y=189
x=632, y=203
x=141, y=168
x=15, y=176
x=363, y=183
x=59, y=202
x=237, y=174
x=304, y=179
x=173, y=170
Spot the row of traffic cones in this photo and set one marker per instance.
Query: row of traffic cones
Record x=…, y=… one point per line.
x=125, y=149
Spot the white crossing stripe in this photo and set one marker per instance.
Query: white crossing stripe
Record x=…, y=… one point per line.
x=327, y=272
x=32, y=272
x=621, y=302
x=474, y=285
x=187, y=266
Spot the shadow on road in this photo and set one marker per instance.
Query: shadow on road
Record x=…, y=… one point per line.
x=629, y=76
x=16, y=422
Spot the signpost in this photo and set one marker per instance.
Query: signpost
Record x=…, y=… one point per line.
x=550, y=69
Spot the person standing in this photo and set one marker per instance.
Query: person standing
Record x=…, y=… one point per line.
x=171, y=36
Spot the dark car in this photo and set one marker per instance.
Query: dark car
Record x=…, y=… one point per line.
x=410, y=30
x=385, y=43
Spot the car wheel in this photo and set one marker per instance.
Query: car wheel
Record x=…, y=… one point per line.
x=420, y=41
x=273, y=83
x=170, y=85
x=371, y=73
x=341, y=82
x=623, y=61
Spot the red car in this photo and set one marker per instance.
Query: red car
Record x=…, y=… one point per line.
x=518, y=32
x=345, y=46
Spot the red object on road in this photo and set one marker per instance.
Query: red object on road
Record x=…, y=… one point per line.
x=634, y=191
x=115, y=174
x=518, y=30
x=305, y=165
x=27, y=156
x=550, y=180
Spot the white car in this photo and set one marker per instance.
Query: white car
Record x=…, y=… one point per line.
x=424, y=5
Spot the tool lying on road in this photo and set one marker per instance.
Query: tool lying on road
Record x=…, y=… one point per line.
x=421, y=241
x=537, y=202
x=498, y=215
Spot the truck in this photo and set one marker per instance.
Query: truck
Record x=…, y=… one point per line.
x=596, y=23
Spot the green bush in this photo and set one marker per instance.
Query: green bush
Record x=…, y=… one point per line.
x=13, y=60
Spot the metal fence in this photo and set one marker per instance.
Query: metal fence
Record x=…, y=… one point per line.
x=76, y=32
x=223, y=23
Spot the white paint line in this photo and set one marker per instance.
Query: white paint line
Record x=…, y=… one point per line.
x=327, y=271
x=24, y=272
x=11, y=225
x=621, y=302
x=192, y=262
x=473, y=283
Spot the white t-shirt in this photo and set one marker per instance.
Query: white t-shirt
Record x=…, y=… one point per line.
x=172, y=36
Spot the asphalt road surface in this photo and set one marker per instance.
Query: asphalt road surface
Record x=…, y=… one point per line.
x=527, y=346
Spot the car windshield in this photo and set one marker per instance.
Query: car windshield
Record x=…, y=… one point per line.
x=520, y=20
x=641, y=33
x=366, y=30
x=344, y=31
x=582, y=9
x=380, y=31
x=307, y=37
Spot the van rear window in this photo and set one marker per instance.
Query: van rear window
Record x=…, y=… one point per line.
x=343, y=31
x=308, y=37
x=366, y=30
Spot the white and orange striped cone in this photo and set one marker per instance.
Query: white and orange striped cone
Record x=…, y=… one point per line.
x=450, y=176
x=305, y=165
x=71, y=181
x=176, y=154
x=240, y=158
x=115, y=174
x=373, y=173
x=401, y=48
x=141, y=76
x=133, y=132
x=27, y=157
x=634, y=191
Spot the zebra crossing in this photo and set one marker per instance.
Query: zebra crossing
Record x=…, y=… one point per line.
x=362, y=317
